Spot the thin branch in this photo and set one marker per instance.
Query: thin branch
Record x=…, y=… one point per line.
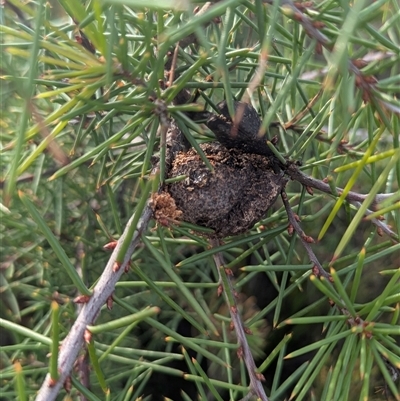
x=305, y=111
x=82, y=363
x=82, y=366
x=295, y=174
x=368, y=58
x=318, y=270
x=381, y=225
x=104, y=288
x=305, y=240
x=256, y=388
x=171, y=71
x=354, y=198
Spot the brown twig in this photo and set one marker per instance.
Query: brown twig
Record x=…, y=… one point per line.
x=295, y=174
x=318, y=270
x=244, y=351
x=72, y=344
x=355, y=198
x=303, y=112
x=171, y=71
x=381, y=225
x=82, y=363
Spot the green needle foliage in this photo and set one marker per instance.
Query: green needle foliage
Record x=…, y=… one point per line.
x=81, y=129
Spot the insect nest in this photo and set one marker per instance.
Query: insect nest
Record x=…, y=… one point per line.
x=230, y=199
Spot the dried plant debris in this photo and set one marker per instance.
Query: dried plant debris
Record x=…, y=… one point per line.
x=230, y=199
x=164, y=208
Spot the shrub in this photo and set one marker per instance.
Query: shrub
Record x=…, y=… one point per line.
x=92, y=94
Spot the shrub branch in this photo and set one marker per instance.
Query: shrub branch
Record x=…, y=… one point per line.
x=354, y=198
x=244, y=351
x=104, y=288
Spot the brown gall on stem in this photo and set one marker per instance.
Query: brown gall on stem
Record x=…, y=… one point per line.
x=303, y=6
x=247, y=331
x=87, y=336
x=260, y=377
x=110, y=246
x=318, y=48
x=315, y=271
x=308, y=239
x=52, y=382
x=360, y=63
x=110, y=302
x=244, y=183
x=68, y=384
x=232, y=198
x=318, y=24
x=127, y=267
x=81, y=299
x=116, y=266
